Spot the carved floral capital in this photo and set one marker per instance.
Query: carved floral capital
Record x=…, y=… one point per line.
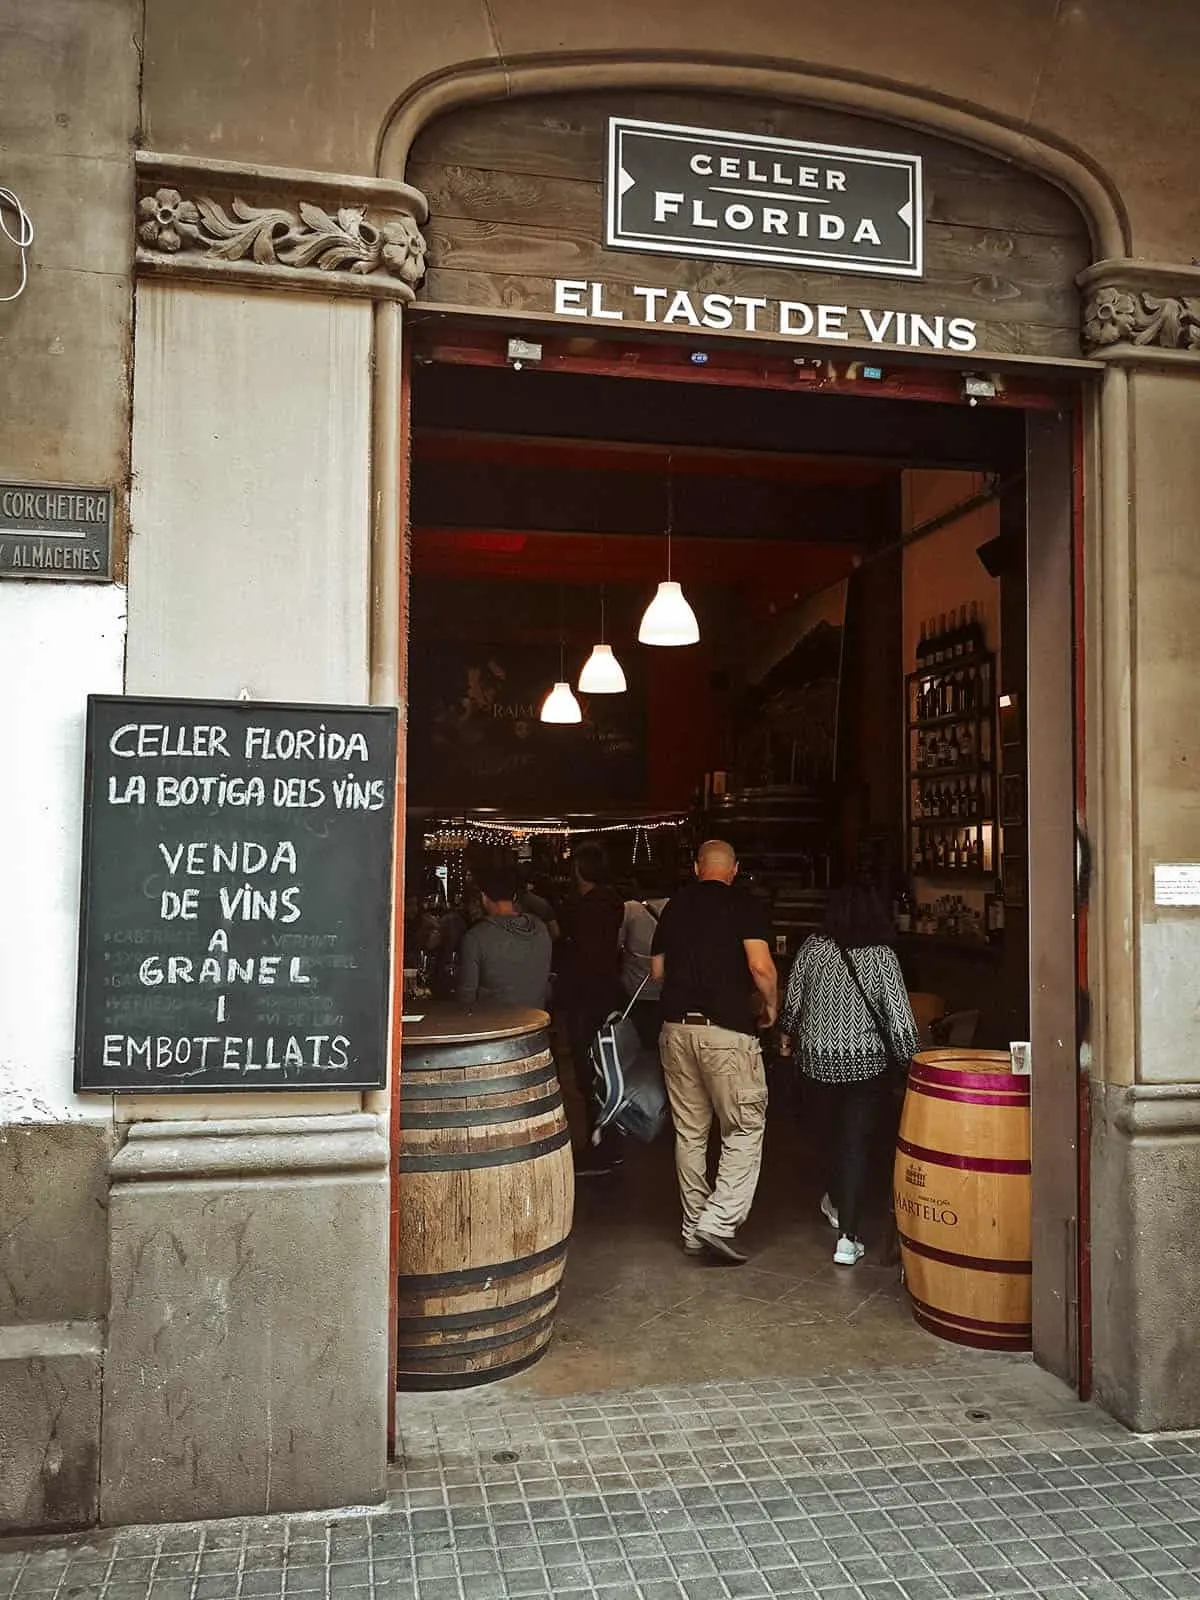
x=1141, y=311
x=265, y=225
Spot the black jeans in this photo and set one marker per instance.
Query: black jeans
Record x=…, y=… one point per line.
x=847, y=1117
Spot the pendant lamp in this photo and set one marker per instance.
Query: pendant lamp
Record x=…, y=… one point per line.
x=668, y=619
x=560, y=705
x=602, y=672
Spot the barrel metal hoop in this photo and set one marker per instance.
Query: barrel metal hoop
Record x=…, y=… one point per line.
x=474, y=1053
x=953, y=1258
x=1022, y=1330
x=504, y=1155
x=942, y=1158
x=967, y=1097
x=998, y=1082
x=465, y=1277
x=419, y=1382
x=478, y=1319
x=976, y=1341
x=422, y=1355
x=482, y=1116
x=482, y=1088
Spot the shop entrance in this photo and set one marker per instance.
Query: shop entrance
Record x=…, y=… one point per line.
x=884, y=682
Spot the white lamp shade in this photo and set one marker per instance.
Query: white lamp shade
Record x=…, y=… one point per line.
x=602, y=673
x=560, y=705
x=668, y=619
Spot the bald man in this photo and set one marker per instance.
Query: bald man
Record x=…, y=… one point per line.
x=718, y=988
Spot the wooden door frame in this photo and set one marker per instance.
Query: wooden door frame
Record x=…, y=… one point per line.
x=1053, y=739
x=1053, y=467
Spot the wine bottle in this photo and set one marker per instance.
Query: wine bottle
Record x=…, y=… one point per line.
x=922, y=649
x=975, y=630
x=939, y=653
x=960, y=634
x=995, y=915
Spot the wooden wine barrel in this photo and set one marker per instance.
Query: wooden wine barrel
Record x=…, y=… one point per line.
x=486, y=1194
x=962, y=1198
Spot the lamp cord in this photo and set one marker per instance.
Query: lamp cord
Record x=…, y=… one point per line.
x=670, y=514
x=23, y=237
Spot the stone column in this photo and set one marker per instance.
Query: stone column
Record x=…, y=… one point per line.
x=1143, y=810
x=247, y=1363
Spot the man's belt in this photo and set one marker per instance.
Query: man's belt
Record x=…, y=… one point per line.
x=697, y=1019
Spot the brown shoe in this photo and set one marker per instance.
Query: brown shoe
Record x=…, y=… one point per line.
x=724, y=1248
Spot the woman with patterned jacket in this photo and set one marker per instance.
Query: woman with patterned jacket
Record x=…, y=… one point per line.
x=845, y=1014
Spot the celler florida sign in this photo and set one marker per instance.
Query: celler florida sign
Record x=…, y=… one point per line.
x=682, y=191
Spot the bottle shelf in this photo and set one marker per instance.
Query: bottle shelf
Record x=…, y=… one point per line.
x=946, y=669
x=963, y=769
x=953, y=824
x=948, y=944
x=962, y=719
x=954, y=875
x=972, y=776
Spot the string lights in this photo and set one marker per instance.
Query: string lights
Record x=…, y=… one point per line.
x=458, y=833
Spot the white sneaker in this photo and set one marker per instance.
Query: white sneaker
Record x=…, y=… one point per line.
x=829, y=1211
x=849, y=1252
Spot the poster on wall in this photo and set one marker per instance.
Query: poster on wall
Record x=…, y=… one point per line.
x=474, y=738
x=789, y=714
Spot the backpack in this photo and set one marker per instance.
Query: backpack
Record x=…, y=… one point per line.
x=630, y=1091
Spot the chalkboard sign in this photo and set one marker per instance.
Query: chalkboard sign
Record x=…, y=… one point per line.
x=236, y=902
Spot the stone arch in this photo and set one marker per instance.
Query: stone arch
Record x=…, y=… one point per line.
x=1068, y=168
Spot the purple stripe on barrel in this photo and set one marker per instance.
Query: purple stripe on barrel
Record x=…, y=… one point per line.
x=998, y=1082
x=941, y=1158
x=977, y=1341
x=954, y=1259
x=1023, y=1330
x=1015, y=1102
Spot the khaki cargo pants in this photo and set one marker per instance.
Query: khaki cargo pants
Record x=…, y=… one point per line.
x=715, y=1071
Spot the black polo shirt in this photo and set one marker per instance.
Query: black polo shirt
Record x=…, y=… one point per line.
x=701, y=936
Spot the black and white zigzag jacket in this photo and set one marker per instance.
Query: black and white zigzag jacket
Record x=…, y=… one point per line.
x=836, y=1038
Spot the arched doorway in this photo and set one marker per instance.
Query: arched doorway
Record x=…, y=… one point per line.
x=516, y=251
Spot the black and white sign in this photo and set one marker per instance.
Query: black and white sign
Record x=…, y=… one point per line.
x=742, y=197
x=55, y=530
x=236, y=906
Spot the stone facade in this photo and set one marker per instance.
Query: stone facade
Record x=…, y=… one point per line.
x=269, y=194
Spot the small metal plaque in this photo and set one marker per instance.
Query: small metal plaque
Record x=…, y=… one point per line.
x=55, y=530
x=683, y=191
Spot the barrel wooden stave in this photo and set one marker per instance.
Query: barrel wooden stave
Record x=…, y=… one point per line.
x=486, y=1198
x=962, y=1198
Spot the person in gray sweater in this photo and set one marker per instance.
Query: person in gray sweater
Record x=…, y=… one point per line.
x=505, y=958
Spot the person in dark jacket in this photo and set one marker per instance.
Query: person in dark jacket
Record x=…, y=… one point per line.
x=505, y=957
x=589, y=986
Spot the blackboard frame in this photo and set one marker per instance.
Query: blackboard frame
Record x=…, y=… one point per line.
x=387, y=990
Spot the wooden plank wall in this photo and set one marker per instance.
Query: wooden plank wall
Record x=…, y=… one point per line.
x=515, y=195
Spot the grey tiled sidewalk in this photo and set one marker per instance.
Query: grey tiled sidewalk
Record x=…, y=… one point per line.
x=971, y=1476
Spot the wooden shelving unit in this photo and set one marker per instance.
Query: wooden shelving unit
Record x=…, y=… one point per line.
x=950, y=825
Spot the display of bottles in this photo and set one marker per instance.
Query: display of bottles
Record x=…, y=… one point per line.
x=952, y=694
x=955, y=745
x=958, y=799
x=952, y=849
x=950, y=637
x=947, y=917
